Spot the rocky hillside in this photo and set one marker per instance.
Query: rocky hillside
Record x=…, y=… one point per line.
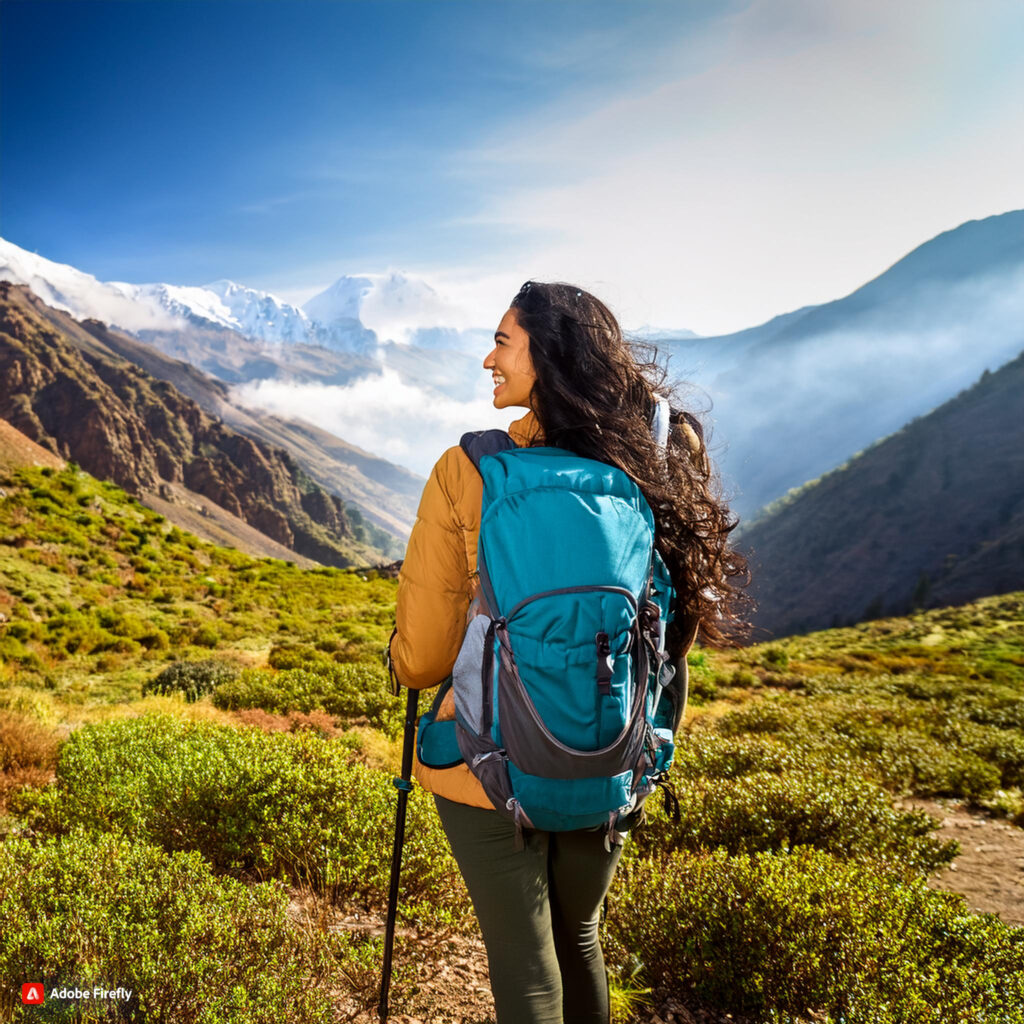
x=71, y=394
x=17, y=450
x=930, y=516
x=385, y=496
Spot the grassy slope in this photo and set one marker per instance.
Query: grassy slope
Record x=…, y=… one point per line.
x=931, y=704
x=790, y=750
x=100, y=593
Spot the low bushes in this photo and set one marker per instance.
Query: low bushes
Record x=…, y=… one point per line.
x=786, y=935
x=727, y=757
x=906, y=745
x=849, y=817
x=280, y=805
x=193, y=679
x=752, y=793
x=350, y=691
x=194, y=949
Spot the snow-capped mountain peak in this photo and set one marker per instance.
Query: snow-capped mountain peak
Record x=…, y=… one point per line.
x=343, y=300
x=80, y=294
x=395, y=306
x=259, y=314
x=357, y=313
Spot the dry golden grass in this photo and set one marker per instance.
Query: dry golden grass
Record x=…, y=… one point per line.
x=375, y=749
x=319, y=721
x=28, y=754
x=200, y=711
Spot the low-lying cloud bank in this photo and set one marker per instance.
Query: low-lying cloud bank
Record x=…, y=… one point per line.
x=408, y=425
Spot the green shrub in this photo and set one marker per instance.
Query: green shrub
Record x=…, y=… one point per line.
x=703, y=678
x=849, y=817
x=286, y=656
x=281, y=805
x=1000, y=747
x=801, y=934
x=206, y=636
x=764, y=716
x=194, y=949
x=775, y=657
x=726, y=757
x=194, y=679
x=906, y=746
x=350, y=691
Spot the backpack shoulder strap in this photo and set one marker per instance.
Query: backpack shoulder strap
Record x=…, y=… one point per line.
x=478, y=443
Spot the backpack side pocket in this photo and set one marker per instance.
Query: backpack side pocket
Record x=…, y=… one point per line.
x=436, y=743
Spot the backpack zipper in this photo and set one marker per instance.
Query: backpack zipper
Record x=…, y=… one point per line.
x=604, y=664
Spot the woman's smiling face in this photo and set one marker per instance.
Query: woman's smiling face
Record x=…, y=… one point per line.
x=510, y=364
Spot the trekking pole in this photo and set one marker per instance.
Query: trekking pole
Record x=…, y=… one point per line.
x=404, y=786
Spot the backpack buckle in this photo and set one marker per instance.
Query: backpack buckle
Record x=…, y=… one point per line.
x=650, y=621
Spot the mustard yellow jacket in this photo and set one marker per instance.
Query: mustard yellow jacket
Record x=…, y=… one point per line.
x=435, y=588
x=437, y=584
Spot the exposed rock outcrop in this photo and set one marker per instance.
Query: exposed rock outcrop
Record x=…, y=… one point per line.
x=73, y=396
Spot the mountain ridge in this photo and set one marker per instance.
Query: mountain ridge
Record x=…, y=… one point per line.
x=800, y=394
x=931, y=515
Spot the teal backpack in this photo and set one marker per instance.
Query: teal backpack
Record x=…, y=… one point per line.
x=565, y=707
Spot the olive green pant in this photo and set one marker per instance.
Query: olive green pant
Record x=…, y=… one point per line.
x=539, y=909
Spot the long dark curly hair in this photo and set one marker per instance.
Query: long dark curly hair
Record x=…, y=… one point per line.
x=595, y=395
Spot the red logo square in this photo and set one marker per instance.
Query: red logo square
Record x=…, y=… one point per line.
x=32, y=993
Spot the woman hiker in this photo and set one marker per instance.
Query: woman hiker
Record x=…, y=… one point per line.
x=559, y=354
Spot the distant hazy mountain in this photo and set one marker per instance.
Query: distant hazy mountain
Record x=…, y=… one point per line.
x=800, y=394
x=390, y=302
x=933, y=515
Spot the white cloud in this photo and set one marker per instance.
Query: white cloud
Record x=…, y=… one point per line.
x=407, y=425
x=798, y=150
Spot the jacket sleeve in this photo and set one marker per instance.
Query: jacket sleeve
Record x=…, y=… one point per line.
x=434, y=586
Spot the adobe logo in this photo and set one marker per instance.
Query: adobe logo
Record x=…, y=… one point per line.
x=32, y=993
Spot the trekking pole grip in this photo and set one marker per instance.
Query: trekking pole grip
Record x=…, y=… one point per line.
x=404, y=786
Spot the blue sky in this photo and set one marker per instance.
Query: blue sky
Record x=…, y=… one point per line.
x=701, y=165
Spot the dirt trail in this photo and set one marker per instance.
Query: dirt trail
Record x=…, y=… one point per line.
x=444, y=980
x=990, y=868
